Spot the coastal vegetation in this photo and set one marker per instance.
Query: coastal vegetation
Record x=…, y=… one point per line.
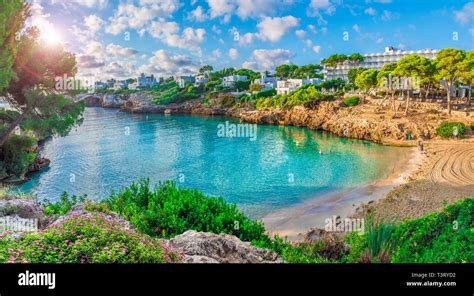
x=351, y=101
x=166, y=211
x=451, y=129
x=91, y=238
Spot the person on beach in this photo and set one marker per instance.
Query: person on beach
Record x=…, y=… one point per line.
x=455, y=132
x=420, y=145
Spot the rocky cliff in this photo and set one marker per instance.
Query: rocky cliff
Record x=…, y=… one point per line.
x=360, y=122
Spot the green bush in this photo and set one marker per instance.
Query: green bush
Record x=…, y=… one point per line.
x=351, y=101
x=167, y=211
x=444, y=237
x=94, y=238
x=358, y=246
x=379, y=240
x=263, y=94
x=299, y=252
x=62, y=206
x=472, y=126
x=445, y=129
x=17, y=155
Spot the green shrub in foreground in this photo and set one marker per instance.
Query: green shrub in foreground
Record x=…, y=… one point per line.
x=379, y=240
x=445, y=129
x=63, y=205
x=94, y=238
x=444, y=237
x=351, y=101
x=167, y=211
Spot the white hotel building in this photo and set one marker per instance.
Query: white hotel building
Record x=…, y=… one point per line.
x=374, y=60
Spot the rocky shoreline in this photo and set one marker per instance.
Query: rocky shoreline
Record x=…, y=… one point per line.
x=367, y=121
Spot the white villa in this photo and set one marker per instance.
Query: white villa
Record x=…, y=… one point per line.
x=133, y=85
x=229, y=80
x=120, y=85
x=266, y=81
x=100, y=84
x=144, y=81
x=200, y=79
x=286, y=86
x=182, y=80
x=374, y=60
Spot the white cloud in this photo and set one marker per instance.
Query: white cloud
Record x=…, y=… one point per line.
x=268, y=59
x=245, y=9
x=216, y=53
x=93, y=23
x=300, y=33
x=312, y=28
x=233, y=53
x=356, y=28
x=370, y=11
x=316, y=48
x=88, y=3
x=139, y=17
x=221, y=8
x=260, y=8
x=120, y=51
x=168, y=33
x=317, y=6
x=88, y=62
x=388, y=16
x=198, y=14
x=164, y=64
x=216, y=29
x=466, y=14
x=273, y=29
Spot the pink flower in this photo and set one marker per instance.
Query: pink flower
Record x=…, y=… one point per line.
x=78, y=243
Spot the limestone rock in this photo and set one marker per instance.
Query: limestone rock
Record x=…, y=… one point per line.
x=23, y=208
x=202, y=247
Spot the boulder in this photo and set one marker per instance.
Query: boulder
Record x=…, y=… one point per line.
x=203, y=247
x=23, y=208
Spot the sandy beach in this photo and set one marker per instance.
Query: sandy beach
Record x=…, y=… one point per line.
x=295, y=221
x=445, y=175
x=419, y=184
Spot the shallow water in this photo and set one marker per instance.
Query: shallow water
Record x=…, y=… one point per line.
x=280, y=168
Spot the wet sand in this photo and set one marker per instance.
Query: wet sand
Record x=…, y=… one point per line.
x=293, y=222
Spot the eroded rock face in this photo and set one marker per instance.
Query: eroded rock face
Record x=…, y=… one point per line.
x=202, y=247
x=23, y=208
x=348, y=122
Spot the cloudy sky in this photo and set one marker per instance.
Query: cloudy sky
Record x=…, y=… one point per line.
x=122, y=38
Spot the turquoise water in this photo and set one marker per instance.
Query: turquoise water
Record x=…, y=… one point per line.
x=280, y=168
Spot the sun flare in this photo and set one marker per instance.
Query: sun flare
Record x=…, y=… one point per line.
x=51, y=37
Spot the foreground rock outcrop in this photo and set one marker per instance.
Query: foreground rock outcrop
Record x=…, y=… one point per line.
x=25, y=208
x=193, y=247
x=202, y=247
